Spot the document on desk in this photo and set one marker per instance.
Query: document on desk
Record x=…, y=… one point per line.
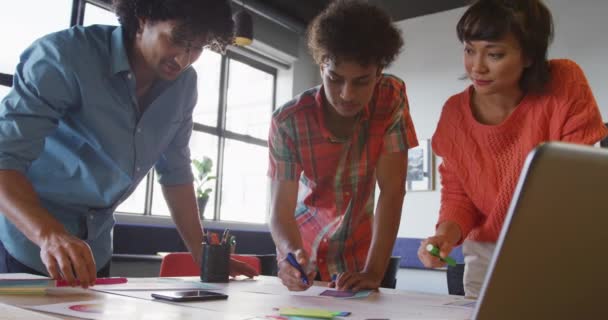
x=15, y=313
x=279, y=289
x=155, y=284
x=116, y=307
x=314, y=291
x=21, y=276
x=27, y=284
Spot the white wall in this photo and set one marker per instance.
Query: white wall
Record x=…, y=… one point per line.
x=431, y=64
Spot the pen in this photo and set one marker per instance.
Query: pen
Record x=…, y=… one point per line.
x=294, y=263
x=115, y=280
x=434, y=251
x=225, y=236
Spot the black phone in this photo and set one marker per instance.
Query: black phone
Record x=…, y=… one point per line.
x=191, y=295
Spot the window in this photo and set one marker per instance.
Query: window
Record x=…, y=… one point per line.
x=250, y=93
x=245, y=191
x=244, y=155
x=249, y=99
x=96, y=15
x=48, y=16
x=4, y=91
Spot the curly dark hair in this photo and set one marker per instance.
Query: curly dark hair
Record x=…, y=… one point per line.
x=194, y=17
x=354, y=30
x=529, y=21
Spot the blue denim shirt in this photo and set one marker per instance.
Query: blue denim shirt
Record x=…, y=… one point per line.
x=71, y=125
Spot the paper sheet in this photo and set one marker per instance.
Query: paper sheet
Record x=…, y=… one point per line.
x=21, y=276
x=8, y=312
x=118, y=308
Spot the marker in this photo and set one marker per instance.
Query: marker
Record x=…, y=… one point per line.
x=101, y=281
x=294, y=263
x=434, y=251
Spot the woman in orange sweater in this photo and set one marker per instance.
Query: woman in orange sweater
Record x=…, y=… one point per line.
x=517, y=100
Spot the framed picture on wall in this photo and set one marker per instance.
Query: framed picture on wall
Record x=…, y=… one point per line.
x=420, y=167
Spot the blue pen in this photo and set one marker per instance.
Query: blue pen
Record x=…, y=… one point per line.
x=294, y=263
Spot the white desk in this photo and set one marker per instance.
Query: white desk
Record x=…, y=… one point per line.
x=250, y=298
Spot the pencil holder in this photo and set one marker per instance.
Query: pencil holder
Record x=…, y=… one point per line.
x=215, y=263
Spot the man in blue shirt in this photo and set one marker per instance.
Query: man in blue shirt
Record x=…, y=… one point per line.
x=91, y=111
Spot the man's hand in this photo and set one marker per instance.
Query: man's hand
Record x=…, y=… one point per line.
x=355, y=281
x=67, y=257
x=291, y=277
x=238, y=268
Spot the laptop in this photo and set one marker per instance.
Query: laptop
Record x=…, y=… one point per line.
x=551, y=258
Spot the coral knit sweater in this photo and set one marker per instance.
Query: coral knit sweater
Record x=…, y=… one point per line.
x=481, y=163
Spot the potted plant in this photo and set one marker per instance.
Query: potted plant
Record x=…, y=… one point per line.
x=203, y=182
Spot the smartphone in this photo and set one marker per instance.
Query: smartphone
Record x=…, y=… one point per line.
x=192, y=295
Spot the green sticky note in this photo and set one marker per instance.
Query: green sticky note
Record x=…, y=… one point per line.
x=309, y=313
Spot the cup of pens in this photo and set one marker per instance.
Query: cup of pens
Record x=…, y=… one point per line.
x=216, y=258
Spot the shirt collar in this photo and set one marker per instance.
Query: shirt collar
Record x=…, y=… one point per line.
x=120, y=61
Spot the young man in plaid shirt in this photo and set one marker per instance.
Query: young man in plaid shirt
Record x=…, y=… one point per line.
x=330, y=145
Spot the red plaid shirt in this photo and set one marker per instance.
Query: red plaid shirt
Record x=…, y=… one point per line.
x=337, y=178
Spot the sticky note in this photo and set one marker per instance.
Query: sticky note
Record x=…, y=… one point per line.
x=310, y=313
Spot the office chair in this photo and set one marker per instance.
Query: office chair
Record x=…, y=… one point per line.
x=454, y=276
x=390, y=275
x=181, y=264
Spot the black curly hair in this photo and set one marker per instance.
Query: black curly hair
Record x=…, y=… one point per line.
x=531, y=23
x=356, y=31
x=194, y=17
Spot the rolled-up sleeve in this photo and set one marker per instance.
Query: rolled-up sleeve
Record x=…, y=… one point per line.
x=44, y=88
x=174, y=166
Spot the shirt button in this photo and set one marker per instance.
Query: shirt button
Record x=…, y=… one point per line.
x=138, y=130
x=137, y=169
x=347, y=194
x=129, y=75
x=325, y=240
x=91, y=216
